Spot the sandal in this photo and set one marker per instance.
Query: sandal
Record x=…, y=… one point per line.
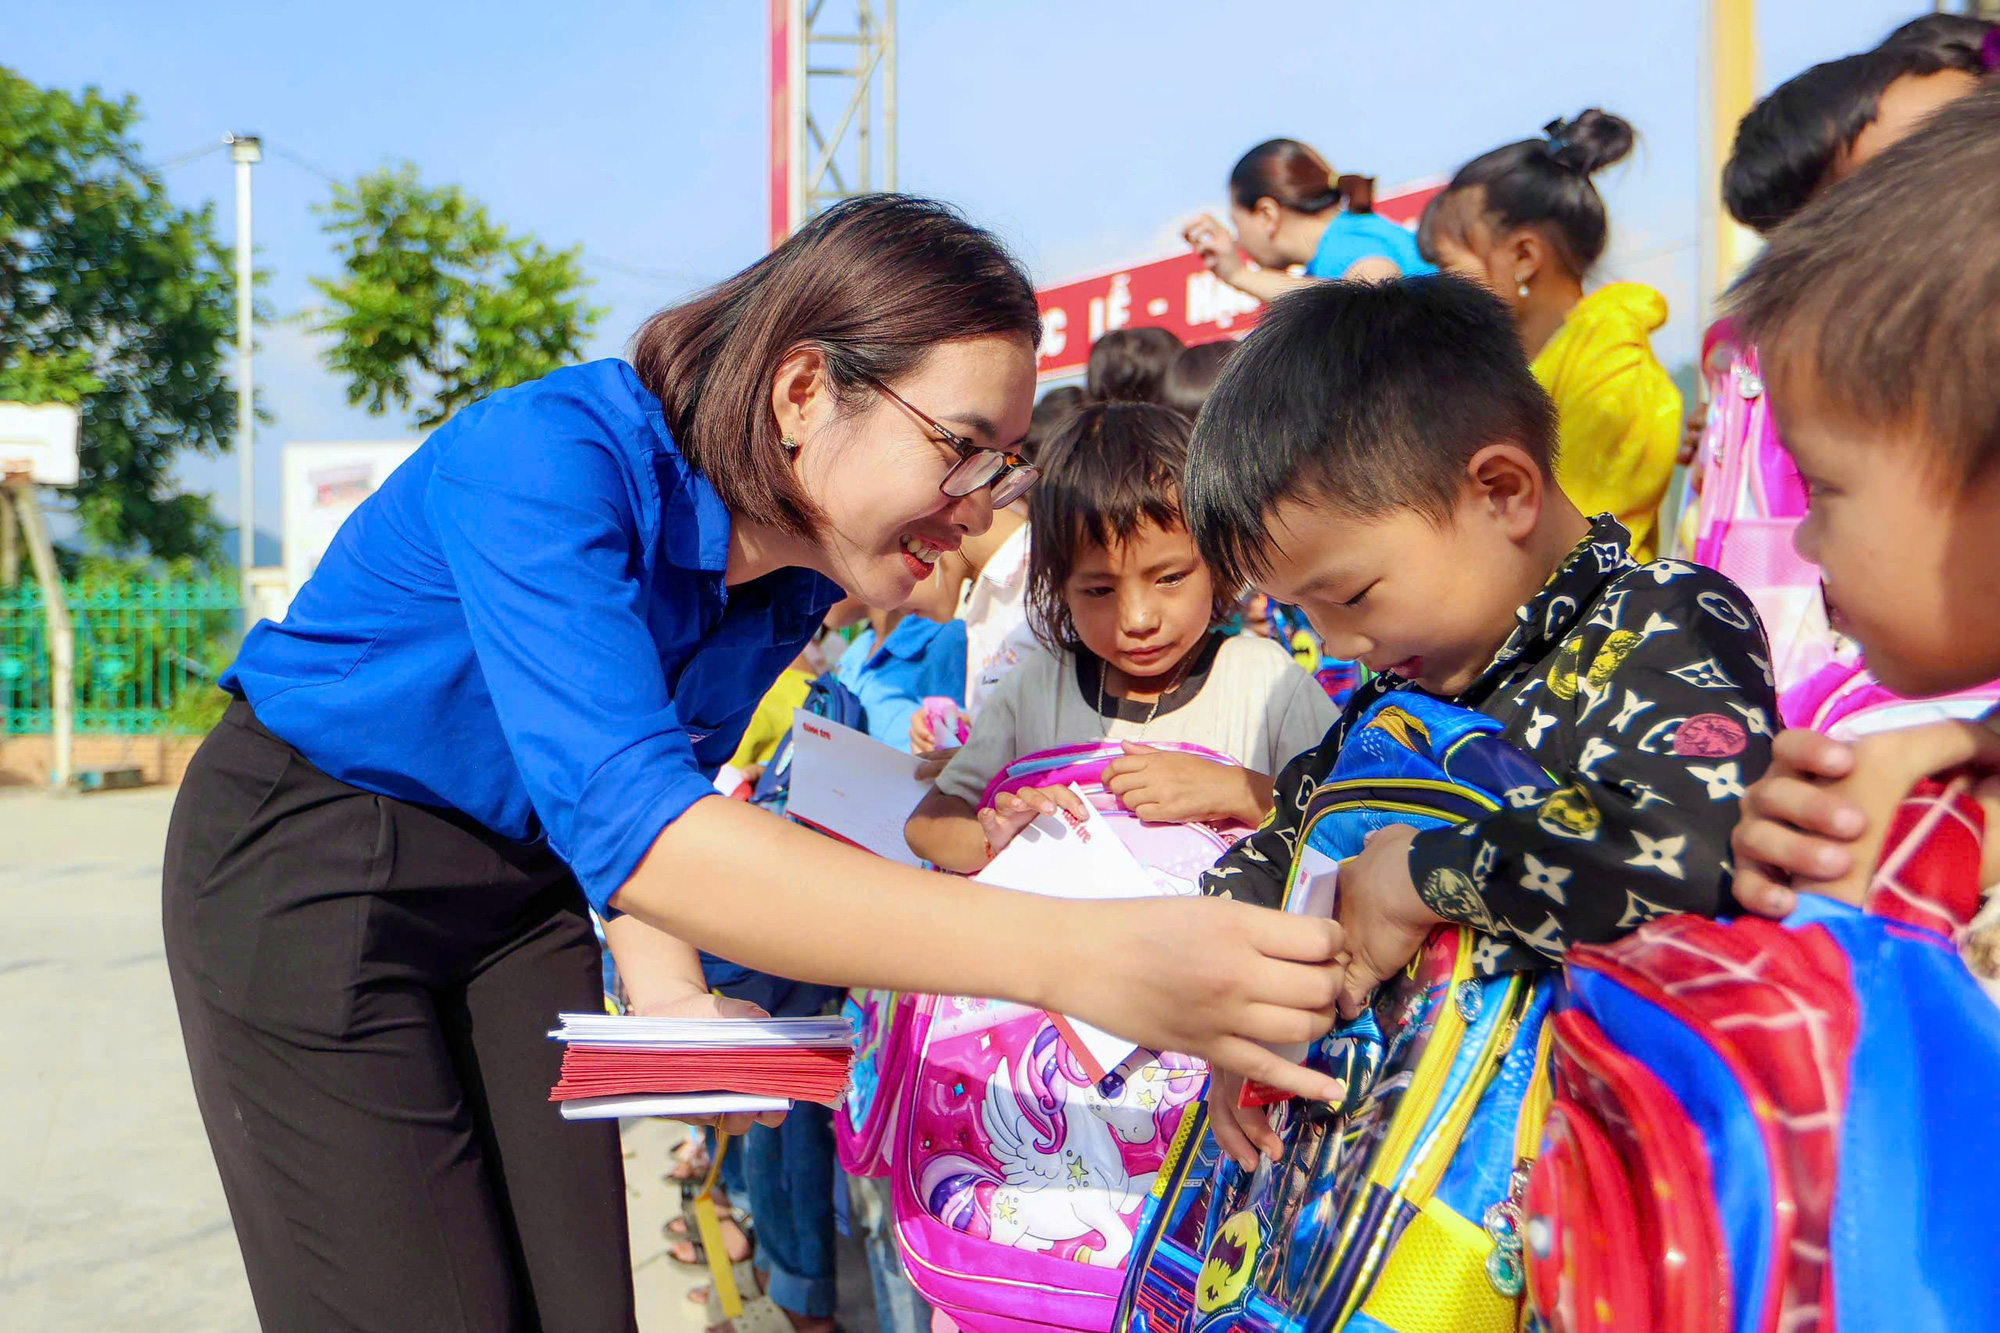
x=690, y=1160
x=682, y=1232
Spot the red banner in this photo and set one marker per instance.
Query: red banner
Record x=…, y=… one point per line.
x=1175, y=293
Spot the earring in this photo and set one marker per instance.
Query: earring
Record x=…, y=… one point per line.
x=791, y=446
x=1522, y=291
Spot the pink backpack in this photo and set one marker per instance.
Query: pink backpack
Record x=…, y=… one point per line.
x=888, y=1029
x=1019, y=1184
x=1751, y=503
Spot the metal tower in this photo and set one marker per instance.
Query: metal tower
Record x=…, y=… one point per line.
x=833, y=105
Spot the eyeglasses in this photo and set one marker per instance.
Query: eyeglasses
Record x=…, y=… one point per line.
x=976, y=466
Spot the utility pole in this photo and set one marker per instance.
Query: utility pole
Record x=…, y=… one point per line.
x=1732, y=89
x=245, y=150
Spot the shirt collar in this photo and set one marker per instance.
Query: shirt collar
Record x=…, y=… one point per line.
x=910, y=638
x=694, y=523
x=1550, y=614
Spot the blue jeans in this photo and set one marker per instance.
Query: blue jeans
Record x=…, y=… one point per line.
x=789, y=1173
x=898, y=1307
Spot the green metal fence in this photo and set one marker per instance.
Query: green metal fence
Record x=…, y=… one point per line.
x=139, y=646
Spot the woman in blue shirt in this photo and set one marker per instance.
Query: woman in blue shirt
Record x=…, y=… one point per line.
x=1290, y=209
x=504, y=694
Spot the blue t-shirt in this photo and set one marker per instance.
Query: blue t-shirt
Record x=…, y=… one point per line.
x=528, y=623
x=1353, y=237
x=920, y=658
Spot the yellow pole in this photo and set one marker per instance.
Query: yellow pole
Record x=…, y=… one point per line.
x=1732, y=89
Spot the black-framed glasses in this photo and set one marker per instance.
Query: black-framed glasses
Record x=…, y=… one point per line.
x=976, y=466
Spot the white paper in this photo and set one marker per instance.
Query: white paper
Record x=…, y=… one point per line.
x=1314, y=892
x=679, y=1104
x=1060, y=856
x=850, y=784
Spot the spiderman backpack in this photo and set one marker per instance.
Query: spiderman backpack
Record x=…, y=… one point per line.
x=1764, y=1126
x=1019, y=1182
x=1393, y=1208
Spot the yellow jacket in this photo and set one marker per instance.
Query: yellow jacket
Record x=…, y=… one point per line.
x=773, y=719
x=1619, y=414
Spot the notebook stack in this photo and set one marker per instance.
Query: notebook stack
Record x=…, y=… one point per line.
x=618, y=1065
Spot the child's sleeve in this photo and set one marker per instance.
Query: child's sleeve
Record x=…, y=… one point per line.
x=993, y=744
x=1300, y=717
x=1255, y=870
x=1662, y=708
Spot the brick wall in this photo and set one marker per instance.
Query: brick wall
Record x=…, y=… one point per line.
x=25, y=760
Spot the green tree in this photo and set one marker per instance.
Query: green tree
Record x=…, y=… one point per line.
x=114, y=299
x=437, y=305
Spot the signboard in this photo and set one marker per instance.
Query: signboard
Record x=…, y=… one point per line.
x=1176, y=293
x=39, y=440
x=324, y=483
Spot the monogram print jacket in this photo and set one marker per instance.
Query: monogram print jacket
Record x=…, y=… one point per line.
x=1645, y=690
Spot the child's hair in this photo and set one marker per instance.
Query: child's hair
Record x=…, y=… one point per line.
x=1955, y=41
x=1191, y=378
x=1051, y=410
x=1542, y=183
x=1130, y=365
x=1295, y=177
x=1786, y=145
x=1365, y=397
x=1879, y=300
x=1110, y=469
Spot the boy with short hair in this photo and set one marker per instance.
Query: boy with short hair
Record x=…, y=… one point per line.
x=1874, y=312
x=1379, y=454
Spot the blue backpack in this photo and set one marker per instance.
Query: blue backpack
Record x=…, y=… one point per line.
x=1398, y=1207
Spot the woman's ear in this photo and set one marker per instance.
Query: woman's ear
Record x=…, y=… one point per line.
x=800, y=399
x=1528, y=256
x=1507, y=486
x=1269, y=216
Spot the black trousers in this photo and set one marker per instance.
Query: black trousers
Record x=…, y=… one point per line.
x=366, y=987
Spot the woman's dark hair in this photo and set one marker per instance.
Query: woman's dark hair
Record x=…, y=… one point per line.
x=1876, y=303
x=1191, y=378
x=1110, y=469
x=1298, y=178
x=1542, y=183
x=1363, y=398
x=1130, y=365
x=1051, y=410
x=1791, y=138
x=873, y=283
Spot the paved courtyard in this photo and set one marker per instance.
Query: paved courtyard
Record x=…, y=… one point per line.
x=111, y=1216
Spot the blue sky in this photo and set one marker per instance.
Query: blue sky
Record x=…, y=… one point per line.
x=1082, y=131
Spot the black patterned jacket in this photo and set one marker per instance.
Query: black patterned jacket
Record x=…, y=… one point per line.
x=1646, y=691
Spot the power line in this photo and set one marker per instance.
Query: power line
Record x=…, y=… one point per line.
x=298, y=161
x=185, y=158
x=680, y=277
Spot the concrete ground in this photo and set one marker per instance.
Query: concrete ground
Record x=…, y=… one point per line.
x=111, y=1216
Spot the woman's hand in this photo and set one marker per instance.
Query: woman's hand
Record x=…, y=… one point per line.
x=1173, y=787
x=1216, y=246
x=701, y=1004
x=1818, y=817
x=1013, y=811
x=1220, y=980
x=1384, y=919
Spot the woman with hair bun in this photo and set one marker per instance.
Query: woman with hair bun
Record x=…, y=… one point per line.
x=1289, y=209
x=1526, y=221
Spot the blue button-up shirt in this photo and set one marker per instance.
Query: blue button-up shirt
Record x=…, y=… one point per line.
x=528, y=623
x=918, y=660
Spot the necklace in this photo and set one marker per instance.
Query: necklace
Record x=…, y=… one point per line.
x=1104, y=669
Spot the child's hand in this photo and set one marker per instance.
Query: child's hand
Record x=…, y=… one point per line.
x=1241, y=1131
x=1381, y=913
x=702, y=1004
x=1013, y=811
x=1207, y=977
x=930, y=763
x=1817, y=819
x=922, y=738
x=1171, y=787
